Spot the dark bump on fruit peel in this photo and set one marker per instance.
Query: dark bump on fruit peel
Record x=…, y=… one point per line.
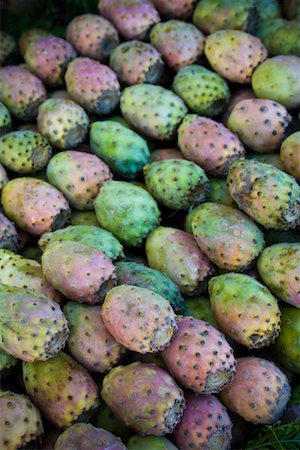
x=73, y=136
x=108, y=44
x=61, y=219
x=154, y=73
x=107, y=102
x=105, y=288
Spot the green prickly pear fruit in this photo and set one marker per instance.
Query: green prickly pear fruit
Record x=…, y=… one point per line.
x=267, y=158
x=105, y=418
x=200, y=308
x=219, y=193
x=5, y=120
x=84, y=218
x=280, y=36
x=7, y=363
x=150, y=443
x=290, y=154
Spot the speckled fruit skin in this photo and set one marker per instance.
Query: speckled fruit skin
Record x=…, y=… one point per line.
x=245, y=309
x=21, y=92
x=290, y=154
x=205, y=424
x=226, y=236
x=176, y=183
x=268, y=195
x=34, y=327
x=219, y=193
x=35, y=205
x=89, y=342
x=260, y=124
x=138, y=318
x=24, y=151
x=93, y=36
x=5, y=120
x=180, y=43
x=127, y=211
x=137, y=62
x=149, y=443
x=234, y=54
x=204, y=366
x=29, y=36
x=165, y=153
x=279, y=268
x=209, y=144
x=8, y=48
x=278, y=79
x=80, y=272
x=260, y=391
x=242, y=92
x=21, y=422
x=63, y=123
x=93, y=85
x=9, y=237
x=3, y=177
x=132, y=18
x=177, y=254
x=175, y=9
x=48, y=57
x=200, y=308
x=286, y=348
x=62, y=389
x=79, y=176
x=153, y=110
x=144, y=397
x=280, y=36
x=84, y=218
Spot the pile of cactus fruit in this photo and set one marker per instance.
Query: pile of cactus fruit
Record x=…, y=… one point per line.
x=150, y=225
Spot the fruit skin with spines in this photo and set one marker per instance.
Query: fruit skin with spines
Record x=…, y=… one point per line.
x=138, y=318
x=280, y=36
x=9, y=237
x=34, y=327
x=265, y=391
x=5, y=120
x=62, y=389
x=290, y=154
x=245, y=309
x=144, y=397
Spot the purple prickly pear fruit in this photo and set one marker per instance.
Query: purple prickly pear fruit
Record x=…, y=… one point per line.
x=290, y=154
x=85, y=436
x=63, y=123
x=243, y=93
x=3, y=177
x=260, y=391
x=79, y=272
x=5, y=124
x=138, y=318
x=166, y=153
x=209, y=144
x=137, y=62
x=177, y=254
x=62, y=389
x=9, y=237
x=132, y=18
x=21, y=422
x=48, y=57
x=21, y=92
x=93, y=85
x=180, y=43
x=199, y=357
x=34, y=327
x=144, y=397
x=92, y=36
x=205, y=424
x=245, y=309
x=260, y=124
x=8, y=49
x=234, y=54
x=89, y=341
x=35, y=205
x=29, y=36
x=175, y=9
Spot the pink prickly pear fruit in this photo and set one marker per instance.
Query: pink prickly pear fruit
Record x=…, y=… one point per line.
x=260, y=391
x=144, y=397
x=205, y=424
x=29, y=36
x=199, y=357
x=9, y=237
x=290, y=154
x=35, y=205
x=175, y=9
x=166, y=153
x=243, y=93
x=138, y=318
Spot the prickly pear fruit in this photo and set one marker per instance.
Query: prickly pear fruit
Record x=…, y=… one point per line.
x=227, y=236
x=63, y=123
x=21, y=422
x=245, y=309
x=205, y=424
x=8, y=49
x=137, y=62
x=132, y=18
x=126, y=210
x=280, y=36
x=21, y=92
x=122, y=149
x=243, y=92
x=279, y=268
x=84, y=218
x=200, y=308
x=144, y=397
x=48, y=57
x=93, y=36
x=175, y=9
x=260, y=391
x=234, y=54
x=3, y=177
x=9, y=238
x=153, y=110
x=105, y=418
x=29, y=36
x=35, y=327
x=138, y=318
x=209, y=144
x=62, y=389
x=166, y=153
x=218, y=193
x=290, y=154
x=7, y=364
x=268, y=195
x=180, y=43
x=93, y=85
x=35, y=205
x=79, y=176
x=176, y=183
x=80, y=272
x=5, y=120
x=150, y=443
